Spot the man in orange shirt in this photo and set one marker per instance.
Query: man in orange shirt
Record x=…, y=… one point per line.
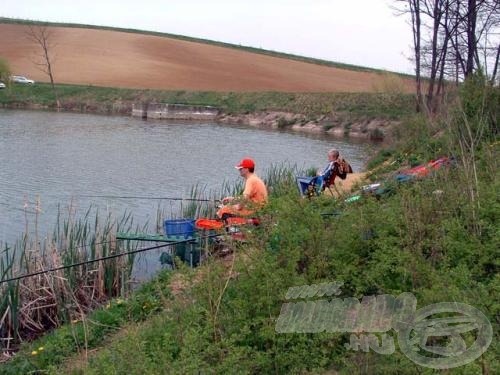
x=254, y=195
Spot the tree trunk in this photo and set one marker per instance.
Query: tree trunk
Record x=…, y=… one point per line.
x=51, y=76
x=42, y=36
x=495, y=69
x=444, y=53
x=471, y=37
x=416, y=23
x=434, y=56
x=457, y=54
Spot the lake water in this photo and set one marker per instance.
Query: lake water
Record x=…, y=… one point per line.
x=59, y=157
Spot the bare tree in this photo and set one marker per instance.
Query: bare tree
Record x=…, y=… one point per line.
x=42, y=36
x=476, y=35
x=416, y=25
x=412, y=7
x=452, y=39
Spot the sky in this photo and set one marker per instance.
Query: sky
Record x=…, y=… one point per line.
x=358, y=32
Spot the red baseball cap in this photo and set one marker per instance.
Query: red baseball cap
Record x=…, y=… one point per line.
x=246, y=163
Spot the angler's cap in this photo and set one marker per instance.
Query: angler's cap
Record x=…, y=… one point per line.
x=246, y=163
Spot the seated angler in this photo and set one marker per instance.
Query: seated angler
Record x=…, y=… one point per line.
x=254, y=194
x=336, y=167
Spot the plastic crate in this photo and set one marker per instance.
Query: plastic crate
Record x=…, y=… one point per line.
x=179, y=227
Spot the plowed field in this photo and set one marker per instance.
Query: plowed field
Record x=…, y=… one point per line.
x=121, y=59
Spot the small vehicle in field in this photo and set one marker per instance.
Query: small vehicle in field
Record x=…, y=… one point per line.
x=2, y=85
x=22, y=80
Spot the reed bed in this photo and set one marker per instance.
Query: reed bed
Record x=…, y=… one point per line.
x=33, y=305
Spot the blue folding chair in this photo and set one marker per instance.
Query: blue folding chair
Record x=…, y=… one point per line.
x=310, y=186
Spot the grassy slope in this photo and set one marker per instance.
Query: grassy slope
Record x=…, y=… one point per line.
x=119, y=101
x=438, y=246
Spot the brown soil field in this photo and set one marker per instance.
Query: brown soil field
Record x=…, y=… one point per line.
x=127, y=60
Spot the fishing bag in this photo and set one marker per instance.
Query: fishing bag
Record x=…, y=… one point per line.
x=343, y=168
x=340, y=168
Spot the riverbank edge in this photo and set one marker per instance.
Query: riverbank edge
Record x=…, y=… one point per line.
x=334, y=125
x=361, y=237
x=337, y=124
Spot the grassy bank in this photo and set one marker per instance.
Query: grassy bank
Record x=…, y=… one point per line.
x=119, y=101
x=436, y=238
x=33, y=305
x=50, y=280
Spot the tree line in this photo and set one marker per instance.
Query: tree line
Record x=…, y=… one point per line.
x=452, y=39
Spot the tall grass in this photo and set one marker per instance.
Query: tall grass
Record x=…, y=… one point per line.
x=80, y=98
x=32, y=305
x=422, y=239
x=277, y=178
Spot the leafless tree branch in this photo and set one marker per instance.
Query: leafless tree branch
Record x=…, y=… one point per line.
x=42, y=36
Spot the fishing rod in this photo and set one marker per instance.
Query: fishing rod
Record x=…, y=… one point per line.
x=151, y=198
x=104, y=258
x=10, y=208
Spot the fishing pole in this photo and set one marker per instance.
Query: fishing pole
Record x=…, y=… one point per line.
x=104, y=258
x=152, y=198
x=10, y=208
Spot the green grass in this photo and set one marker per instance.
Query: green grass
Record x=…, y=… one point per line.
x=83, y=334
x=436, y=238
x=423, y=245
x=35, y=305
x=119, y=101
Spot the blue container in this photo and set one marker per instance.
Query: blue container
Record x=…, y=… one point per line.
x=179, y=227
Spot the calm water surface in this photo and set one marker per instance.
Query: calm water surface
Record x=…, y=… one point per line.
x=59, y=157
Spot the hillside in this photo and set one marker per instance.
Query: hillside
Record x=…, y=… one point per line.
x=137, y=60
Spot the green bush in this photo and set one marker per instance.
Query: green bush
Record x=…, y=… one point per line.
x=430, y=237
